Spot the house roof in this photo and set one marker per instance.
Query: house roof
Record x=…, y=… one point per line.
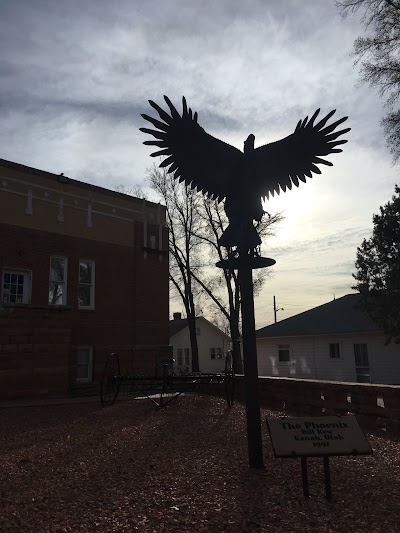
x=178, y=324
x=65, y=179
x=338, y=316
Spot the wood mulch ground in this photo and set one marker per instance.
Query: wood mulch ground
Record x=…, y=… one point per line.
x=82, y=468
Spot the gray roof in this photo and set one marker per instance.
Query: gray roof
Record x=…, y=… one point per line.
x=177, y=325
x=338, y=316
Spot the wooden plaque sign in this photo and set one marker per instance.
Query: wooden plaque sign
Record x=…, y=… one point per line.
x=317, y=436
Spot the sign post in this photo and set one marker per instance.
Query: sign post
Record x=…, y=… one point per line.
x=322, y=436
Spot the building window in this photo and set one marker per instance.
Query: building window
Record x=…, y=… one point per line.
x=16, y=287
x=84, y=364
x=197, y=331
x=334, y=350
x=187, y=357
x=216, y=353
x=284, y=353
x=362, y=363
x=179, y=353
x=86, y=284
x=58, y=281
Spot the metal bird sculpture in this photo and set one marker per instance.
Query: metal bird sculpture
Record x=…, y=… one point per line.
x=221, y=171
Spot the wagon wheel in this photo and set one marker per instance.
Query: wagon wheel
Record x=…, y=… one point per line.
x=110, y=381
x=229, y=380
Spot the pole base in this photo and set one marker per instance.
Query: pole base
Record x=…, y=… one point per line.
x=249, y=261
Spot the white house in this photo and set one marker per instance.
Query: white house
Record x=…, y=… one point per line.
x=213, y=345
x=334, y=341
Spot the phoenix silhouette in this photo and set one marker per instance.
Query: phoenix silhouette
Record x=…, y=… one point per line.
x=223, y=172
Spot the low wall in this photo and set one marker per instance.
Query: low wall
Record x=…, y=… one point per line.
x=314, y=397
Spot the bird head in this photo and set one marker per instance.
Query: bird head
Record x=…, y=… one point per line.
x=249, y=144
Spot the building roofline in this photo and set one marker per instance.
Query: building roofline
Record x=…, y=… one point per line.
x=60, y=178
x=198, y=318
x=328, y=334
x=338, y=316
x=214, y=326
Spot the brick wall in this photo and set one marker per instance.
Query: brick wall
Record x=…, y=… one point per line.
x=34, y=352
x=131, y=314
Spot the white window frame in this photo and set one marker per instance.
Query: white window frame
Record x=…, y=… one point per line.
x=90, y=364
x=337, y=357
x=64, y=282
x=27, y=291
x=363, y=371
x=285, y=347
x=92, y=284
x=186, y=354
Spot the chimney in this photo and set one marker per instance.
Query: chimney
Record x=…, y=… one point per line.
x=177, y=316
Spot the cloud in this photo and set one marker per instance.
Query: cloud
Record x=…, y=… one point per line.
x=77, y=75
x=321, y=244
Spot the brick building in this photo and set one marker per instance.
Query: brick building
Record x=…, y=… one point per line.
x=84, y=272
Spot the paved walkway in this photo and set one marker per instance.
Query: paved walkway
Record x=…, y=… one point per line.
x=47, y=401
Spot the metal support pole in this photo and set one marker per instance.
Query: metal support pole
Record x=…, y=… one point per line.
x=254, y=439
x=304, y=475
x=327, y=472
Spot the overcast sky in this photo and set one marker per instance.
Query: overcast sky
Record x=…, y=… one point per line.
x=76, y=75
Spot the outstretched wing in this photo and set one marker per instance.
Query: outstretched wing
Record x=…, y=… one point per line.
x=197, y=158
x=279, y=164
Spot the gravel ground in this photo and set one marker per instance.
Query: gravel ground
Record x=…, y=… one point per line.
x=79, y=467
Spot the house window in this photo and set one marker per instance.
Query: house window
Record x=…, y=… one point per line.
x=334, y=350
x=362, y=363
x=197, y=331
x=180, y=356
x=187, y=357
x=84, y=364
x=58, y=281
x=86, y=284
x=216, y=353
x=284, y=353
x=16, y=287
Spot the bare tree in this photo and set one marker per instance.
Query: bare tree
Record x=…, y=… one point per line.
x=132, y=190
x=182, y=221
x=195, y=225
x=378, y=56
x=222, y=286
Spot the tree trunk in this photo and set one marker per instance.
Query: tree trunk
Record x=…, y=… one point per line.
x=236, y=352
x=193, y=344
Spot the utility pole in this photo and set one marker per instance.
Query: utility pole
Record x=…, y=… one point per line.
x=276, y=309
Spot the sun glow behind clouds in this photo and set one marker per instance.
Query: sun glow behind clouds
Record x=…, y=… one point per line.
x=294, y=205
